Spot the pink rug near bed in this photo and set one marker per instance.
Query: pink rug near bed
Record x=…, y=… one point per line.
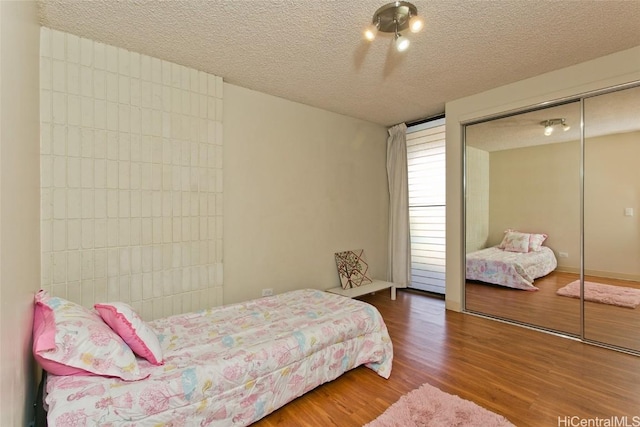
x=428, y=406
x=605, y=294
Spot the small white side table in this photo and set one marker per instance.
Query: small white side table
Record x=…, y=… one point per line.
x=377, y=285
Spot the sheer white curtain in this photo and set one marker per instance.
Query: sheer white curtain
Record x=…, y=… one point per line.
x=399, y=242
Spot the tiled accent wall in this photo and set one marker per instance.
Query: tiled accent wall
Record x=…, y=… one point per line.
x=131, y=178
x=477, y=196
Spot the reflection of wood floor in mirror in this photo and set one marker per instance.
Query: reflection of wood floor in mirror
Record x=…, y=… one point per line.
x=610, y=324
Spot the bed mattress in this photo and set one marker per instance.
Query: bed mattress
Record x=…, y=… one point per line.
x=510, y=269
x=231, y=365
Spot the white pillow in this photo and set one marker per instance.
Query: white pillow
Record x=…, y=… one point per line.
x=138, y=335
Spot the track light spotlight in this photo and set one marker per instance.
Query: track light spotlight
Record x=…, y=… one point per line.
x=416, y=24
x=402, y=43
x=393, y=18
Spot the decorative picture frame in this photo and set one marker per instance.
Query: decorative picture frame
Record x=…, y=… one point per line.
x=352, y=268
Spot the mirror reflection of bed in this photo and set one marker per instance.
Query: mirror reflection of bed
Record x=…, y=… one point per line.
x=517, y=178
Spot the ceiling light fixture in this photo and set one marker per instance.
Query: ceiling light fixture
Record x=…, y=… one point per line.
x=549, y=124
x=393, y=18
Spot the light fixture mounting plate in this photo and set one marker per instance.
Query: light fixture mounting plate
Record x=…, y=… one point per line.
x=397, y=13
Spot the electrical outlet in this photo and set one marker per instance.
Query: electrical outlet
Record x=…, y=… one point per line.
x=564, y=255
x=267, y=292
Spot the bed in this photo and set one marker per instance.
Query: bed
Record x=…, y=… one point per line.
x=511, y=269
x=231, y=365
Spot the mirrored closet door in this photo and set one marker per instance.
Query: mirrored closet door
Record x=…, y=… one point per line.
x=552, y=232
x=611, y=218
x=523, y=180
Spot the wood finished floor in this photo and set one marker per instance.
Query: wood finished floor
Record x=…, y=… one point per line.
x=530, y=377
x=618, y=326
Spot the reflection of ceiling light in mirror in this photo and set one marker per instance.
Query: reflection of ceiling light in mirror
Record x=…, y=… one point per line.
x=549, y=124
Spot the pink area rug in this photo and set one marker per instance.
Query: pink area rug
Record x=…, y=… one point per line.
x=428, y=406
x=605, y=294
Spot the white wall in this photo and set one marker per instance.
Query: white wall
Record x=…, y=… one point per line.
x=546, y=201
x=19, y=201
x=617, y=68
x=300, y=184
x=131, y=175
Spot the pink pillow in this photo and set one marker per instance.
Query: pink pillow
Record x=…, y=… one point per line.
x=514, y=241
x=68, y=339
x=504, y=238
x=132, y=329
x=535, y=241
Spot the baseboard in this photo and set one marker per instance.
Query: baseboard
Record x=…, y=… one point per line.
x=453, y=305
x=599, y=273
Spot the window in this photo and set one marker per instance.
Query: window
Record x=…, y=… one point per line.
x=427, y=209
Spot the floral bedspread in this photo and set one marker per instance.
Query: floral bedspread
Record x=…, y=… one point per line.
x=511, y=269
x=232, y=365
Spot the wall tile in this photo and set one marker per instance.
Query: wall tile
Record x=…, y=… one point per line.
x=124, y=62
x=88, y=293
x=131, y=176
x=74, y=291
x=125, y=288
x=87, y=112
x=124, y=232
x=73, y=141
x=134, y=64
x=59, y=76
x=112, y=232
x=59, y=267
x=88, y=202
x=100, y=233
x=74, y=266
x=88, y=238
x=112, y=116
x=73, y=48
x=74, y=204
x=45, y=42
x=88, y=264
x=74, y=230
x=100, y=263
x=99, y=84
x=112, y=58
x=46, y=269
x=46, y=73
x=99, y=114
x=59, y=108
x=73, y=79
x=100, y=290
x=113, y=289
x=86, y=52
x=136, y=232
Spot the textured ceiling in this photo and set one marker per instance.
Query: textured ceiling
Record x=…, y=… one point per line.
x=605, y=114
x=312, y=51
